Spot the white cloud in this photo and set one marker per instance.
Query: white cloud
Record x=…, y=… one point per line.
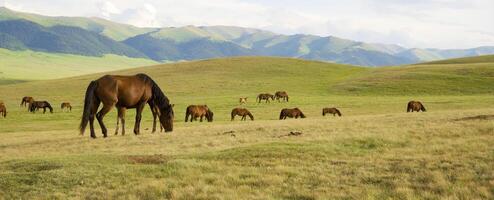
x=419, y=23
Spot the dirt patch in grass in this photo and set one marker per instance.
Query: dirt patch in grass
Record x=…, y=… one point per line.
x=478, y=117
x=148, y=159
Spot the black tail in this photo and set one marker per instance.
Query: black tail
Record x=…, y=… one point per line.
x=282, y=114
x=88, y=104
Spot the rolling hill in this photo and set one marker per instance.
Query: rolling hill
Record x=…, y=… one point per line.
x=20, y=66
x=202, y=42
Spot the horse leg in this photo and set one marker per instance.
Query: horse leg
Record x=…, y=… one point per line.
x=44, y=110
x=201, y=118
x=121, y=117
x=155, y=114
x=92, y=112
x=137, y=125
x=233, y=117
x=101, y=114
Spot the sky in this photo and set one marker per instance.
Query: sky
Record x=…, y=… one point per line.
x=410, y=23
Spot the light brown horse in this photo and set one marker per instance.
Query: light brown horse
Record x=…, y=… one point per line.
x=124, y=92
x=242, y=100
x=3, y=110
x=198, y=111
x=66, y=105
x=36, y=105
x=281, y=95
x=265, y=96
x=292, y=113
x=26, y=101
x=242, y=112
x=333, y=111
x=415, y=106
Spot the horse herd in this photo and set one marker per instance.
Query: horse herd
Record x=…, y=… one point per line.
x=127, y=92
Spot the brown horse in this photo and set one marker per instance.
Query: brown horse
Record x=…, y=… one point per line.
x=281, y=95
x=265, y=96
x=415, y=106
x=195, y=111
x=333, y=111
x=124, y=92
x=3, y=110
x=66, y=105
x=242, y=112
x=36, y=105
x=26, y=101
x=242, y=100
x=292, y=113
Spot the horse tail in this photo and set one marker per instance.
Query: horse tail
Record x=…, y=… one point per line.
x=233, y=113
x=282, y=114
x=251, y=116
x=187, y=114
x=61, y=106
x=22, y=102
x=88, y=104
x=409, y=106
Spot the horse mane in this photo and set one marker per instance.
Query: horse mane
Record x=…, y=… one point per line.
x=158, y=98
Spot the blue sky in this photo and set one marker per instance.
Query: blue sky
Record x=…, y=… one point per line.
x=410, y=23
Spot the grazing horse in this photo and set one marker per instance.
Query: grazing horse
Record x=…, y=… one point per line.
x=292, y=113
x=26, y=101
x=195, y=111
x=265, y=96
x=415, y=106
x=3, y=110
x=124, y=92
x=242, y=112
x=66, y=105
x=242, y=100
x=281, y=95
x=333, y=111
x=36, y=105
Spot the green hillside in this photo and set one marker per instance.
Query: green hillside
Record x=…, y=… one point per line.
x=29, y=65
x=110, y=29
x=374, y=151
x=466, y=60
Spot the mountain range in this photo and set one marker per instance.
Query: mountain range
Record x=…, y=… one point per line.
x=97, y=37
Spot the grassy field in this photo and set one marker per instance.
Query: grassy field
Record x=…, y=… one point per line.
x=375, y=151
x=19, y=66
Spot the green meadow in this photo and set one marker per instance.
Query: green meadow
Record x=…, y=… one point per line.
x=374, y=151
x=20, y=66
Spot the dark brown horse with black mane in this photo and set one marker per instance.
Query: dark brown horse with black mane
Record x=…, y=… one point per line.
x=415, y=106
x=124, y=92
x=291, y=113
x=36, y=105
x=66, y=105
x=3, y=110
x=281, y=95
x=333, y=111
x=242, y=112
x=265, y=96
x=198, y=111
x=26, y=101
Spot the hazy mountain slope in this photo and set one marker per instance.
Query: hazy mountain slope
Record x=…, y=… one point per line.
x=110, y=29
x=60, y=39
